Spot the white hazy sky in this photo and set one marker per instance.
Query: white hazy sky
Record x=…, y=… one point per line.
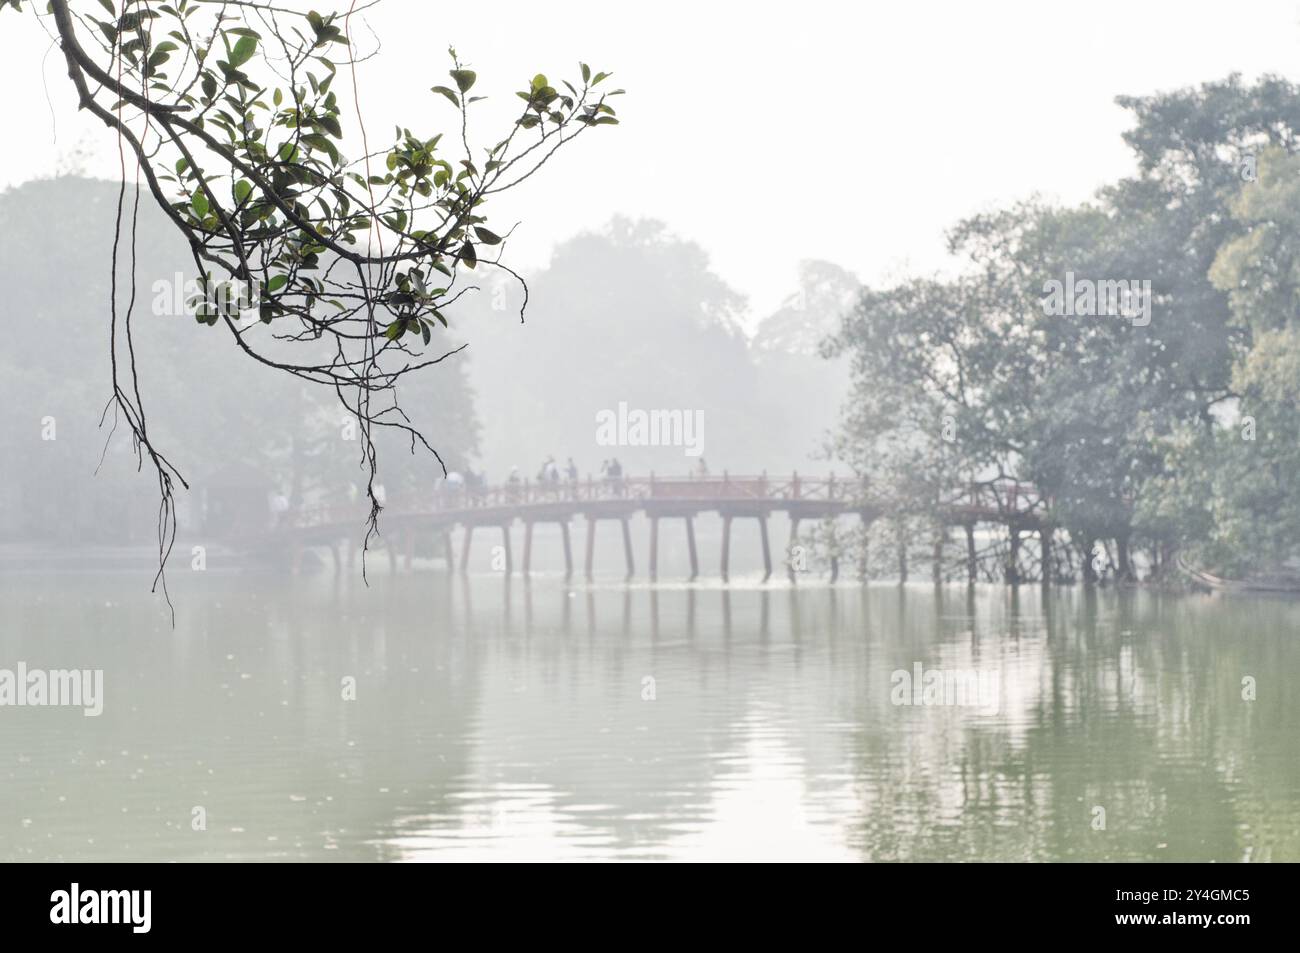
x=766, y=132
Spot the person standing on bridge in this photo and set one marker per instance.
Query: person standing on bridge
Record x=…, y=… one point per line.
x=571, y=472
x=455, y=486
x=279, y=508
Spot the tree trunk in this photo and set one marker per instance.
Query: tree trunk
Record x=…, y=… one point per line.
x=1089, y=573
x=1122, y=557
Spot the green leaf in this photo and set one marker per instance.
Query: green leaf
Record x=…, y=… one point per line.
x=486, y=236
x=158, y=58
x=199, y=202
x=468, y=255
x=243, y=51
x=464, y=79
x=243, y=189
x=443, y=90
x=317, y=141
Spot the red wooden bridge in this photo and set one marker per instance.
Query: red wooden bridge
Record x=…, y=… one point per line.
x=1015, y=505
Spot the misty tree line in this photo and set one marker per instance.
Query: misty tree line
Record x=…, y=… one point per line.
x=625, y=312
x=1174, y=438
x=234, y=425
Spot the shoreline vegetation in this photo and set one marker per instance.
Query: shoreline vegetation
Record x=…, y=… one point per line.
x=1136, y=358
x=39, y=556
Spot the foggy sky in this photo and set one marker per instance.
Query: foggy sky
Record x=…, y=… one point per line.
x=768, y=133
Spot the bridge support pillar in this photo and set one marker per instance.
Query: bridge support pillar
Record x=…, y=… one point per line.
x=528, y=546
x=505, y=542
x=1045, y=542
x=902, y=554
x=789, y=550
x=937, y=568
x=690, y=545
x=464, y=547
x=654, y=547
x=568, y=551
x=447, y=550
x=591, y=543
x=726, y=547
x=767, y=548
x=835, y=566
x=627, y=547
x=408, y=557
x=863, y=570
x=970, y=554
x=1013, y=557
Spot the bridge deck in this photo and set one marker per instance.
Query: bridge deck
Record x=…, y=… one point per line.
x=1001, y=501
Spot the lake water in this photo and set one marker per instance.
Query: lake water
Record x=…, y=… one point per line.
x=539, y=721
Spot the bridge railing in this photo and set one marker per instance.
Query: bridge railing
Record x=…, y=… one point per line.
x=1003, y=497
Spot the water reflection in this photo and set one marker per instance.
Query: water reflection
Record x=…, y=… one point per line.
x=532, y=719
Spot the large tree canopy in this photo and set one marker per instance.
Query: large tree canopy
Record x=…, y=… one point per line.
x=1122, y=423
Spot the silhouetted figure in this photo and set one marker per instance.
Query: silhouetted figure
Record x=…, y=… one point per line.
x=279, y=509
x=454, y=488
